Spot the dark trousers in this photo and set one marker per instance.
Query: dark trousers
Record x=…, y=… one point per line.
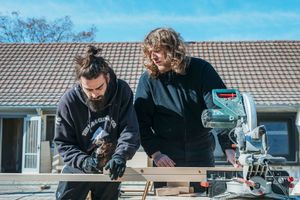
x=79, y=190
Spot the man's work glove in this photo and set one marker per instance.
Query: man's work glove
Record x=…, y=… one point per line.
x=116, y=166
x=90, y=164
x=162, y=160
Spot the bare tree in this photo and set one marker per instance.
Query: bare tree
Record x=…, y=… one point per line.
x=38, y=30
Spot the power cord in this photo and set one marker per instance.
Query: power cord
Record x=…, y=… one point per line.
x=230, y=137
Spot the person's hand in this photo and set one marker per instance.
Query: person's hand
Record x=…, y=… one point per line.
x=116, y=166
x=230, y=154
x=162, y=160
x=90, y=164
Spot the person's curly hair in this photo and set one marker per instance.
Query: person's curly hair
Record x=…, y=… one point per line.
x=171, y=41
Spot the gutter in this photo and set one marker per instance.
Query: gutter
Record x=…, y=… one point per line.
x=27, y=107
x=25, y=110
x=278, y=108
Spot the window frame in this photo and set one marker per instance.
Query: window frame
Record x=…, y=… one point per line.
x=290, y=119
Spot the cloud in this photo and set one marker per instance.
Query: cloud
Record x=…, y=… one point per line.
x=226, y=18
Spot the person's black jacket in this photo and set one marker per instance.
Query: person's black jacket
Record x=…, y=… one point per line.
x=169, y=112
x=76, y=124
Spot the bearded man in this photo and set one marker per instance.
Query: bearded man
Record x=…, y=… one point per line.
x=96, y=128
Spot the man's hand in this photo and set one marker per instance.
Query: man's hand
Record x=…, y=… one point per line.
x=90, y=164
x=230, y=154
x=162, y=160
x=116, y=166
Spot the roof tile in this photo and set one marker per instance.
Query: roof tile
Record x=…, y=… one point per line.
x=38, y=74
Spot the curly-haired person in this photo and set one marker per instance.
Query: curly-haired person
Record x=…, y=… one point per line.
x=169, y=101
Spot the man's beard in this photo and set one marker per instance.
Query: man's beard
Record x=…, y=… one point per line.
x=96, y=105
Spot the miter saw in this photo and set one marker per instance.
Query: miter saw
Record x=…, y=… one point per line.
x=238, y=113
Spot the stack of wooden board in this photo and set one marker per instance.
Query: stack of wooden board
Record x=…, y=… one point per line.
x=176, y=189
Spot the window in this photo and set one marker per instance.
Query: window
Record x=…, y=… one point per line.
x=278, y=140
x=281, y=132
x=282, y=137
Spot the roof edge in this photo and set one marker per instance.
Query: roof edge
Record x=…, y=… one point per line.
x=26, y=107
x=278, y=108
x=64, y=43
x=139, y=42
x=242, y=41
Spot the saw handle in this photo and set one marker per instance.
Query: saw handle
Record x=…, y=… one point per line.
x=226, y=95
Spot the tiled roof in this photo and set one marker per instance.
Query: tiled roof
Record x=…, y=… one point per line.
x=38, y=74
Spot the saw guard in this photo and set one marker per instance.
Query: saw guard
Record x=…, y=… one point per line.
x=250, y=109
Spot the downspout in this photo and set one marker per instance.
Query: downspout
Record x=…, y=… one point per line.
x=297, y=123
x=1, y=128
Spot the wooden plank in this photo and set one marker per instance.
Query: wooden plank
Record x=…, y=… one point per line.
x=53, y=177
x=183, y=190
x=178, y=184
x=166, y=191
x=96, y=177
x=176, y=174
x=178, y=170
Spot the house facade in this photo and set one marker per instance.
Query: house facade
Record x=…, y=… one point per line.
x=35, y=76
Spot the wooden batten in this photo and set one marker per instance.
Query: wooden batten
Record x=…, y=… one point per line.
x=167, y=174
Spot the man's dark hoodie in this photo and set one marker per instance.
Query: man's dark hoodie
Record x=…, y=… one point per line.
x=169, y=110
x=76, y=123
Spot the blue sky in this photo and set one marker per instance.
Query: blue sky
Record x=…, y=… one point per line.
x=196, y=20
